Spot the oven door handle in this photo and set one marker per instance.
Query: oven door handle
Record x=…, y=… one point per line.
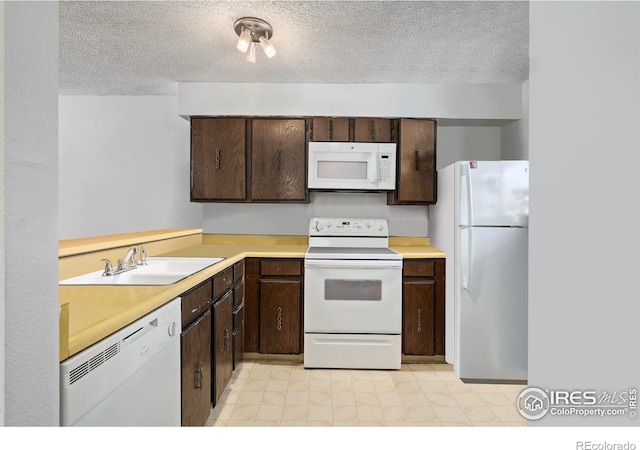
x=353, y=264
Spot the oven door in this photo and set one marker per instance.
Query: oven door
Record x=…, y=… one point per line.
x=353, y=296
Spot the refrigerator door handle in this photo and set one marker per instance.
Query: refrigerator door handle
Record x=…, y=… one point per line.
x=469, y=188
x=467, y=258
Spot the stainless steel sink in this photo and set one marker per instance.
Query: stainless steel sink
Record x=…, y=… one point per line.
x=157, y=272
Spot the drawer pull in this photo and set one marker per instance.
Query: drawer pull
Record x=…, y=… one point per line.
x=418, y=159
x=217, y=159
x=279, y=318
x=419, y=320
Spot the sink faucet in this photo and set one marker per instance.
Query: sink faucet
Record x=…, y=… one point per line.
x=129, y=260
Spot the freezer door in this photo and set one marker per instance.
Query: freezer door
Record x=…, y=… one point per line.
x=494, y=193
x=491, y=304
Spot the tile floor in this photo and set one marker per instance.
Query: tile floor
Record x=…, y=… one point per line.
x=282, y=393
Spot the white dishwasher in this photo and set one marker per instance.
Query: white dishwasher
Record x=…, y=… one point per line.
x=131, y=378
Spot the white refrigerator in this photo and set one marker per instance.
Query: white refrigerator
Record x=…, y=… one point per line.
x=480, y=221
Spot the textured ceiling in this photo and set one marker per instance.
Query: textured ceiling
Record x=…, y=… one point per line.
x=147, y=47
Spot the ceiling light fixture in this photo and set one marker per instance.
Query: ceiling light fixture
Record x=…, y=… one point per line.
x=252, y=31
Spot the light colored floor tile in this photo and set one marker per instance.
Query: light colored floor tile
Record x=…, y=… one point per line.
x=250, y=398
x=323, y=412
x=415, y=399
x=367, y=413
x=345, y=413
x=319, y=398
x=408, y=387
x=320, y=386
x=277, y=386
x=450, y=414
x=341, y=385
x=274, y=398
x=244, y=412
x=437, y=399
x=343, y=398
x=389, y=399
x=367, y=398
x=295, y=412
x=508, y=414
x=256, y=385
x=363, y=386
x=270, y=412
x=283, y=393
x=299, y=386
x=480, y=414
x=297, y=398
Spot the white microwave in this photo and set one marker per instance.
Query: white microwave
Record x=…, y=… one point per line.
x=361, y=166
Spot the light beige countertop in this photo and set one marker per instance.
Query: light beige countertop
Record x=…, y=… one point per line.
x=95, y=312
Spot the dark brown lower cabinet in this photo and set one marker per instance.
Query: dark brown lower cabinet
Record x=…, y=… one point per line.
x=280, y=316
x=222, y=344
x=423, y=307
x=238, y=335
x=196, y=371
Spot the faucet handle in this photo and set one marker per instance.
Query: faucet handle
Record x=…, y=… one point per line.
x=108, y=268
x=143, y=256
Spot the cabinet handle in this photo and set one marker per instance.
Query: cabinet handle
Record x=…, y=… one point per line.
x=278, y=160
x=194, y=310
x=372, y=130
x=279, y=318
x=418, y=159
x=393, y=131
x=199, y=378
x=217, y=159
x=331, y=129
x=226, y=340
x=419, y=320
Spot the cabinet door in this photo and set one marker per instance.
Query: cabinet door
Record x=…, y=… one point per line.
x=278, y=160
x=416, y=162
x=368, y=129
x=195, y=344
x=418, y=317
x=218, y=159
x=280, y=316
x=222, y=344
x=327, y=129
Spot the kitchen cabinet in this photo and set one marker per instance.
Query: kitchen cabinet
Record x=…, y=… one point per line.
x=423, y=307
x=218, y=160
x=195, y=342
x=222, y=344
x=222, y=332
x=278, y=160
x=238, y=313
x=273, y=305
x=416, y=163
x=371, y=129
x=329, y=129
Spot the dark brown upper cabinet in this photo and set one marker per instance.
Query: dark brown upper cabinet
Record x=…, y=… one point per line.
x=329, y=129
x=416, y=163
x=218, y=159
x=371, y=129
x=278, y=160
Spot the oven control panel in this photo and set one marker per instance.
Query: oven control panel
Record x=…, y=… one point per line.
x=348, y=227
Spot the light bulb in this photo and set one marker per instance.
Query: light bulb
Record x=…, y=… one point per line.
x=268, y=47
x=251, y=55
x=244, y=40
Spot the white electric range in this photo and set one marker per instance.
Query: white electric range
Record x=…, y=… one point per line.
x=352, y=296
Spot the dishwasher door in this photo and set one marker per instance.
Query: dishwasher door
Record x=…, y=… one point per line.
x=131, y=378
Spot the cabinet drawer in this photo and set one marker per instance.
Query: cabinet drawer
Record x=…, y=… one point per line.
x=238, y=271
x=280, y=267
x=419, y=268
x=195, y=302
x=222, y=282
